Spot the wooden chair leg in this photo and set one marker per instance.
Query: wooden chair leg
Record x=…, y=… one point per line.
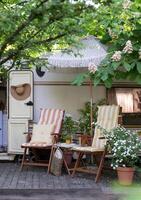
x=66, y=165
x=23, y=159
x=77, y=163
x=99, y=171
x=50, y=159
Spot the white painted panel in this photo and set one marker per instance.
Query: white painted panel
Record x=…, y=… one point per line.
x=18, y=109
x=56, y=75
x=1, y=128
x=71, y=98
x=5, y=129
x=16, y=128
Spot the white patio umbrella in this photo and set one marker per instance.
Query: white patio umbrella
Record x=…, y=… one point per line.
x=89, y=52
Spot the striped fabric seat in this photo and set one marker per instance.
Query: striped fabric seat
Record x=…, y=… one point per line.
x=87, y=149
x=108, y=119
x=49, y=116
x=36, y=144
x=43, y=137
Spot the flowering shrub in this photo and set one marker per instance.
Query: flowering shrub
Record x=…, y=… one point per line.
x=117, y=24
x=124, y=145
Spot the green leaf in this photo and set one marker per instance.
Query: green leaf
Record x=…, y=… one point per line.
x=80, y=79
x=138, y=79
x=108, y=83
x=96, y=81
x=139, y=67
x=127, y=66
x=104, y=76
x=131, y=76
x=133, y=65
x=115, y=65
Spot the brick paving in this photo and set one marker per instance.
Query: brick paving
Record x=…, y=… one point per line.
x=63, y=194
x=35, y=183
x=34, y=178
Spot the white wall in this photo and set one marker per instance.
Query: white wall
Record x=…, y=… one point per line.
x=68, y=97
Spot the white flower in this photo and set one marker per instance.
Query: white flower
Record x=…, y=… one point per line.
x=124, y=146
x=68, y=115
x=126, y=4
x=111, y=33
x=92, y=68
x=128, y=47
x=116, y=56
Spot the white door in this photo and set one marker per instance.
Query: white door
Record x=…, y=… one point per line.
x=16, y=136
x=20, y=105
x=20, y=108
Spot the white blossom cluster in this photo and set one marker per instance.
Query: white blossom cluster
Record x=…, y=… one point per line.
x=126, y=4
x=140, y=53
x=124, y=146
x=92, y=68
x=128, y=47
x=116, y=56
x=111, y=33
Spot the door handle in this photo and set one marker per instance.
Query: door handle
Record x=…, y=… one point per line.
x=29, y=103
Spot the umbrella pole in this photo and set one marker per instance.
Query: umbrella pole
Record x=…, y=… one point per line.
x=91, y=107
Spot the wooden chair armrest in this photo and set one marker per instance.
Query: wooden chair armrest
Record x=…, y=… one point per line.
x=57, y=134
x=81, y=135
x=28, y=136
x=27, y=133
x=32, y=122
x=56, y=137
x=102, y=138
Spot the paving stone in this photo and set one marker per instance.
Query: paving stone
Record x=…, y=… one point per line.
x=34, y=178
x=59, y=194
x=35, y=183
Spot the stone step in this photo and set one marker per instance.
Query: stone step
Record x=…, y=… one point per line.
x=6, y=156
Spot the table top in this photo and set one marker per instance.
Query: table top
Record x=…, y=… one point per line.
x=65, y=145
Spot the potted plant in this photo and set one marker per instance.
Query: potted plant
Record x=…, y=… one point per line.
x=84, y=121
x=124, y=146
x=69, y=128
x=68, y=138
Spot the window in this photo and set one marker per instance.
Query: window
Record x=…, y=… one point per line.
x=128, y=98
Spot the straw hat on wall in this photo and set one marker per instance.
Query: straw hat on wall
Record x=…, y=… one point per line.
x=21, y=92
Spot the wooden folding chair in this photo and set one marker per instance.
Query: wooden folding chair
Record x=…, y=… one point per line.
x=108, y=119
x=44, y=135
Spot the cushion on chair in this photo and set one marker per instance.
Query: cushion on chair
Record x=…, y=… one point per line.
x=108, y=119
x=54, y=116
x=42, y=133
x=87, y=149
x=35, y=145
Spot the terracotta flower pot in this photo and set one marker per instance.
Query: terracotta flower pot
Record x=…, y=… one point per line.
x=125, y=175
x=68, y=141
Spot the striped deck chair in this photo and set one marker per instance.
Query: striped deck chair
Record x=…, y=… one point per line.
x=44, y=135
x=108, y=119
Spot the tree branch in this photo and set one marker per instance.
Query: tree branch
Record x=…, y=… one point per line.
x=31, y=17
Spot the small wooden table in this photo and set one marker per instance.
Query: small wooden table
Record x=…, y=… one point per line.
x=65, y=147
